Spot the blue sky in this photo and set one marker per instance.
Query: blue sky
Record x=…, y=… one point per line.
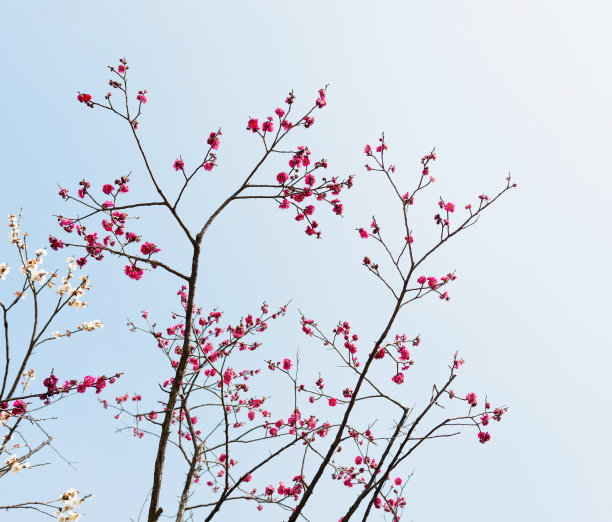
x=496, y=87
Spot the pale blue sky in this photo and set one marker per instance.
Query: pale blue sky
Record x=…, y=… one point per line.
x=496, y=86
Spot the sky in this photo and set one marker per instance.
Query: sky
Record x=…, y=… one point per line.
x=496, y=87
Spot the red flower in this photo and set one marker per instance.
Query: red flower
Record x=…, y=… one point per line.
x=484, y=436
x=253, y=125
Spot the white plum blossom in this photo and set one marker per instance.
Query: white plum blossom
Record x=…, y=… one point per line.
x=90, y=326
x=14, y=231
x=28, y=375
x=71, y=500
x=31, y=267
x=16, y=466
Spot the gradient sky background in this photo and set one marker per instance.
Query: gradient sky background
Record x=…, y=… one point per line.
x=519, y=86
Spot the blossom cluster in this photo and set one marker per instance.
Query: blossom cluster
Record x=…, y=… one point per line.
x=16, y=465
x=298, y=186
x=113, y=223
x=70, y=500
x=210, y=364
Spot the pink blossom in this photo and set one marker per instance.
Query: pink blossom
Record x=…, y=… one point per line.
x=281, y=177
x=338, y=207
x=141, y=96
x=89, y=381
x=133, y=272
x=19, y=407
x=130, y=237
x=55, y=243
x=471, y=398
x=398, y=481
x=213, y=140
x=484, y=436
x=363, y=233
x=84, y=98
x=107, y=189
x=253, y=125
x=398, y=379
x=67, y=224
x=280, y=112
x=149, y=248
x=268, y=125
x=422, y=280
x=287, y=364
x=310, y=180
x=497, y=414
x=449, y=207
x=457, y=362
x=332, y=402
x=179, y=164
x=284, y=204
x=320, y=103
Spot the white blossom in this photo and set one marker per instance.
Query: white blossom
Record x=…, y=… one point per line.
x=90, y=326
x=15, y=465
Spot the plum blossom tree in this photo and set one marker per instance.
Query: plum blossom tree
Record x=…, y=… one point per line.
x=213, y=409
x=21, y=412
